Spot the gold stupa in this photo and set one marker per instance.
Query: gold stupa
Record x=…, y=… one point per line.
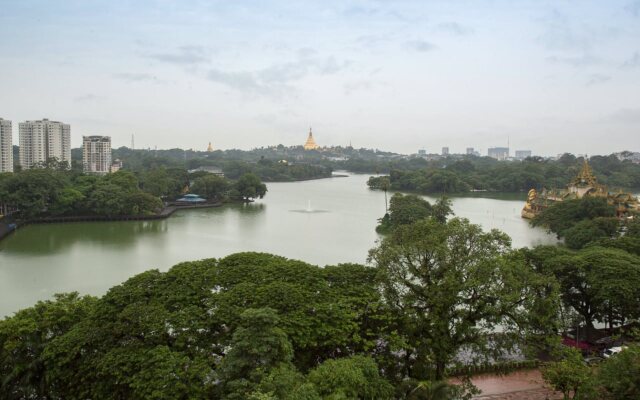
x=310, y=144
x=209, y=148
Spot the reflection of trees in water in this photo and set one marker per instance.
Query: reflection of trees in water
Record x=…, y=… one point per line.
x=54, y=238
x=251, y=208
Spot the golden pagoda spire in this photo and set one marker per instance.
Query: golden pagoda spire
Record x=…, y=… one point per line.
x=209, y=148
x=585, y=177
x=310, y=144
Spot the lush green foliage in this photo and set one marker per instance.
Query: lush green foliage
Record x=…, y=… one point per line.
x=570, y=375
x=50, y=192
x=582, y=219
x=461, y=174
x=600, y=284
x=452, y=284
x=410, y=208
x=617, y=378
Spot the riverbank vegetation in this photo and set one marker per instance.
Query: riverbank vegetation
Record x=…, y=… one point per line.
x=259, y=326
x=56, y=192
x=589, y=221
x=461, y=175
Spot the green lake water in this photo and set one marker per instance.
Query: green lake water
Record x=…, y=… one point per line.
x=325, y=221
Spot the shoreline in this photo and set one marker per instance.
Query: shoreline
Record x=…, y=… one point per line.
x=8, y=227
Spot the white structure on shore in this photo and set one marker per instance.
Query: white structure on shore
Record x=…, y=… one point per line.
x=43, y=140
x=96, y=154
x=6, y=146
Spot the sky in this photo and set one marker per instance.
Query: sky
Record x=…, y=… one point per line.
x=549, y=76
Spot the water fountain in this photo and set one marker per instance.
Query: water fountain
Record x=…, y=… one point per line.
x=309, y=210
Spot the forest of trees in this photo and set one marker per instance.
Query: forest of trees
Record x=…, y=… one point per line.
x=233, y=163
x=53, y=190
x=482, y=173
x=259, y=326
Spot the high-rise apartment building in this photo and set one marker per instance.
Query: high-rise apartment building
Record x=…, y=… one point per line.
x=96, y=154
x=522, y=154
x=445, y=151
x=6, y=146
x=43, y=140
x=499, y=153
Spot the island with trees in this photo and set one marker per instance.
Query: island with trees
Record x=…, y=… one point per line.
x=54, y=192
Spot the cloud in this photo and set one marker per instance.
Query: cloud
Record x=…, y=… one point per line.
x=595, y=79
x=185, y=55
x=88, y=98
x=633, y=62
x=277, y=78
x=626, y=116
x=454, y=28
x=135, y=77
x=421, y=45
x=358, y=86
x=575, y=61
x=560, y=34
x=634, y=8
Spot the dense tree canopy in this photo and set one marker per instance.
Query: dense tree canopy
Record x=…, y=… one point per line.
x=452, y=284
x=460, y=174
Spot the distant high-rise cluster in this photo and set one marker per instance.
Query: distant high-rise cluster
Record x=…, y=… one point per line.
x=445, y=151
x=96, y=154
x=522, y=154
x=6, y=146
x=42, y=140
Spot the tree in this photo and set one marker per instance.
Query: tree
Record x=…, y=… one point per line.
x=350, y=378
x=590, y=230
x=405, y=209
x=452, y=284
x=24, y=337
x=561, y=216
x=32, y=191
x=210, y=186
x=620, y=374
x=257, y=347
x=442, y=209
x=570, y=375
x=598, y=283
x=249, y=187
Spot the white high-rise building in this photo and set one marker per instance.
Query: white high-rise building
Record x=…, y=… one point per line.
x=42, y=140
x=96, y=154
x=6, y=146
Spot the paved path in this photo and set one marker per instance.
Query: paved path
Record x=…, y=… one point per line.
x=520, y=385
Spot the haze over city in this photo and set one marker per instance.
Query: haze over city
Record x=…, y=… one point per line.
x=551, y=76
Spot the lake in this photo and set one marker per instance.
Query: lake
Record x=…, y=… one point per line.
x=40, y=260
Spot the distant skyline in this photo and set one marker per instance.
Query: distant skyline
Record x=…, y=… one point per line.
x=547, y=76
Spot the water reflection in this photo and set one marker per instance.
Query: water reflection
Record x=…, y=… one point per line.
x=58, y=238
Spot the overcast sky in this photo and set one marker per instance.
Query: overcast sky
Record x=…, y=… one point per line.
x=550, y=76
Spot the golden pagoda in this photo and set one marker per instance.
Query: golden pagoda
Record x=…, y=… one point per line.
x=209, y=148
x=583, y=185
x=310, y=144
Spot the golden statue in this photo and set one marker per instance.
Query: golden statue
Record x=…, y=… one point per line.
x=209, y=148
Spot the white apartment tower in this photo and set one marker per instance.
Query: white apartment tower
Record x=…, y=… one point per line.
x=42, y=140
x=6, y=146
x=96, y=154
